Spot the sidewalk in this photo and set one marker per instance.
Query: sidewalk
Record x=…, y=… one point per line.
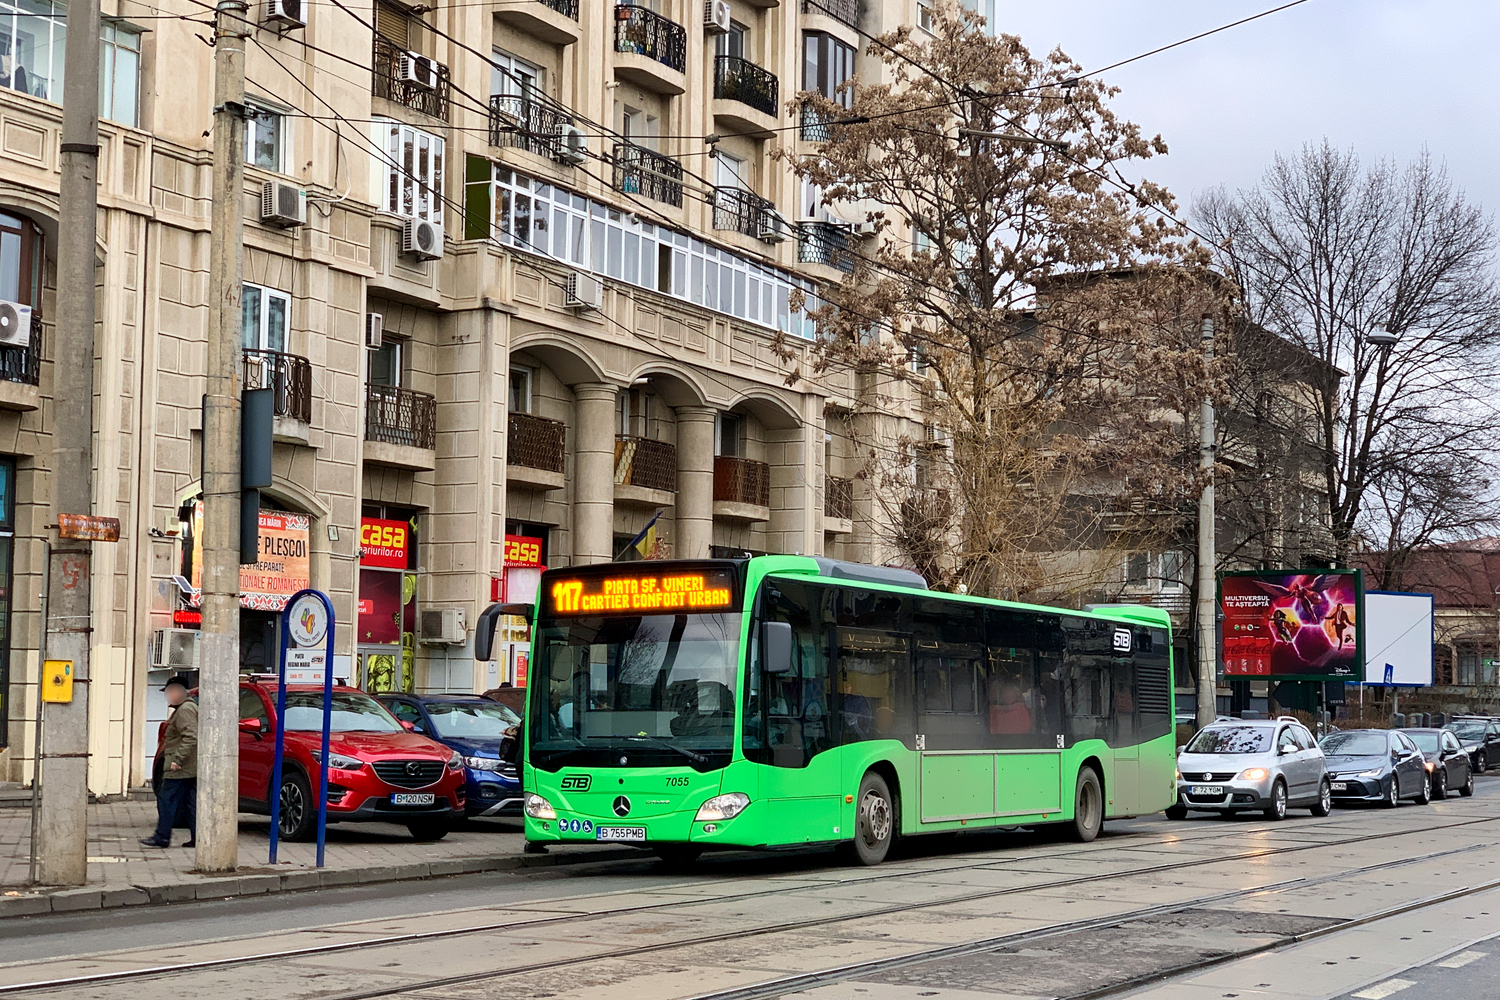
x=123, y=872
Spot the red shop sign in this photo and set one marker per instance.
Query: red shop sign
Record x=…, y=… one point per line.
x=383, y=543
x=523, y=551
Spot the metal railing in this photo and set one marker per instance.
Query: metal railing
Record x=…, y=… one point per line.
x=522, y=123
x=643, y=31
x=400, y=416
x=838, y=498
x=567, y=8
x=644, y=462
x=742, y=480
x=386, y=64
x=288, y=374
x=740, y=210
x=842, y=10
x=643, y=171
x=24, y=364
x=824, y=243
x=536, y=442
x=737, y=79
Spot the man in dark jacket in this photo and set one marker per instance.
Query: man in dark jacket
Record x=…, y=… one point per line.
x=179, y=784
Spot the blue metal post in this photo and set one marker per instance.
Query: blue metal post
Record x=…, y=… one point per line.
x=327, y=726
x=280, y=737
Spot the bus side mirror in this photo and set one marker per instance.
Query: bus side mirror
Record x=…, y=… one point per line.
x=775, y=647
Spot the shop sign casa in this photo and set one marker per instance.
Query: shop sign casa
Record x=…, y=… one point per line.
x=383, y=543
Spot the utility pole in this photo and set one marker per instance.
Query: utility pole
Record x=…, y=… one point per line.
x=1208, y=646
x=219, y=643
x=64, y=769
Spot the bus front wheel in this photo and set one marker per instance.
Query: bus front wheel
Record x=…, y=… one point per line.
x=874, y=820
x=1088, y=806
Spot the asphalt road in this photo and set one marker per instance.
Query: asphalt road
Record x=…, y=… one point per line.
x=1352, y=906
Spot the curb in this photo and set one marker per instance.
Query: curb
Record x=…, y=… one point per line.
x=259, y=882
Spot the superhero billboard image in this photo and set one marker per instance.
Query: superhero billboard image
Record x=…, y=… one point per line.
x=1291, y=623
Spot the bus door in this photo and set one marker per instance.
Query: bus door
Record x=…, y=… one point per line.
x=801, y=782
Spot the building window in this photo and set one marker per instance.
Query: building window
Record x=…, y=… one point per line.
x=520, y=390
x=119, y=73
x=729, y=435
x=32, y=38
x=827, y=64
x=514, y=78
x=733, y=42
x=730, y=172
x=385, y=364
x=1137, y=569
x=409, y=176
x=20, y=260
x=1173, y=571
x=264, y=313
x=265, y=138
x=924, y=15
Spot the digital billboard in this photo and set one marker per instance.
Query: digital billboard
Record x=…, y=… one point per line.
x=1398, y=638
x=626, y=592
x=1292, y=623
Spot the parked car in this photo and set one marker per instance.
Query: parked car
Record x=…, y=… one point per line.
x=1448, y=766
x=1235, y=765
x=1376, y=765
x=1479, y=735
x=378, y=771
x=485, y=732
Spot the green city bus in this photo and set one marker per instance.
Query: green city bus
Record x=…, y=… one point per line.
x=783, y=701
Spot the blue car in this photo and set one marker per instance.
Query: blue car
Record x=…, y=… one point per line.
x=483, y=731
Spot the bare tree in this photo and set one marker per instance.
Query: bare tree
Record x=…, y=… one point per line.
x=1327, y=252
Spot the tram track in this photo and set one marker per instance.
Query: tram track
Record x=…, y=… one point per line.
x=572, y=917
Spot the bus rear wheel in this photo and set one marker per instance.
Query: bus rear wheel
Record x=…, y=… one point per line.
x=1088, y=806
x=874, y=820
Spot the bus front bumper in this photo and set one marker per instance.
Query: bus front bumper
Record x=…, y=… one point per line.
x=672, y=828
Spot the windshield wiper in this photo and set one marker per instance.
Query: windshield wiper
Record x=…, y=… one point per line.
x=691, y=755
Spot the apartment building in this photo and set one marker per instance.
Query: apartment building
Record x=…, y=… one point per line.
x=515, y=272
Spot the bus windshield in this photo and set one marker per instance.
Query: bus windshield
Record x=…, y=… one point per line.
x=646, y=690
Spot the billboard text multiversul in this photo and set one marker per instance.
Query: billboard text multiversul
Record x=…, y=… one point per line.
x=1292, y=623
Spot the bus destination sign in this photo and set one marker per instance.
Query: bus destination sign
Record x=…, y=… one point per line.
x=643, y=593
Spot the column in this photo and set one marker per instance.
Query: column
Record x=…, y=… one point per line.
x=593, y=473
x=695, y=482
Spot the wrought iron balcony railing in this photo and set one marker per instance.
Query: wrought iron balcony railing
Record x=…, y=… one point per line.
x=567, y=8
x=643, y=171
x=742, y=480
x=644, y=462
x=389, y=84
x=740, y=210
x=400, y=416
x=536, y=442
x=737, y=79
x=824, y=243
x=522, y=123
x=643, y=31
x=24, y=364
x=838, y=498
x=289, y=375
x=842, y=10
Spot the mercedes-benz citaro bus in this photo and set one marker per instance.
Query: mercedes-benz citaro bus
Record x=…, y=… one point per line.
x=783, y=701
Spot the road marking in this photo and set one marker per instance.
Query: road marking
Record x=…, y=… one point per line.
x=1460, y=960
x=1382, y=990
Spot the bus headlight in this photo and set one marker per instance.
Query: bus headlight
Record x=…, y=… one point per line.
x=726, y=806
x=538, y=807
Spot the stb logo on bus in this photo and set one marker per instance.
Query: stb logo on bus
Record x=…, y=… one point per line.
x=1122, y=640
x=575, y=783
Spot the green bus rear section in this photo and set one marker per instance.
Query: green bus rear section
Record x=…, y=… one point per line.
x=936, y=790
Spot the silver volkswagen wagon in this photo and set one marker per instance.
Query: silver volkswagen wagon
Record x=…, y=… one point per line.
x=1239, y=765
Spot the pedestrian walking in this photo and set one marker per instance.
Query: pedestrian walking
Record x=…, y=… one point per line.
x=179, y=775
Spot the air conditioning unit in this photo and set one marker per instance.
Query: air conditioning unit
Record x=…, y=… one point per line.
x=174, y=648
x=15, y=324
x=443, y=627
x=716, y=17
x=285, y=14
x=374, y=331
x=575, y=146
x=283, y=205
x=584, y=292
x=419, y=71
x=771, y=227
x=422, y=239
x=864, y=230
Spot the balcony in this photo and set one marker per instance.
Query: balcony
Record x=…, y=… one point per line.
x=846, y=11
x=389, y=85
x=745, y=96
x=645, y=471
x=534, y=451
x=838, y=503
x=650, y=50
x=21, y=370
x=290, y=377
x=552, y=21
x=741, y=211
x=825, y=243
x=742, y=489
x=530, y=125
x=643, y=171
x=400, y=427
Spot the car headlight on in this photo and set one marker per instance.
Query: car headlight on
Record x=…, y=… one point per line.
x=1430, y=765
x=456, y=762
x=539, y=808
x=483, y=763
x=1373, y=772
x=1178, y=772
x=1253, y=774
x=338, y=761
x=726, y=806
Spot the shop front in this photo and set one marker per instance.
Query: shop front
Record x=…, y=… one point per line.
x=387, y=620
x=525, y=558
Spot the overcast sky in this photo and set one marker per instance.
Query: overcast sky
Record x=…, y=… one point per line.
x=1386, y=77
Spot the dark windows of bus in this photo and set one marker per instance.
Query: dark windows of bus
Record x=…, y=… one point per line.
x=1231, y=739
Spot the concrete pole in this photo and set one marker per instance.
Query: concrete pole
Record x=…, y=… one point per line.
x=219, y=645
x=695, y=482
x=64, y=766
x=594, y=473
x=1208, y=646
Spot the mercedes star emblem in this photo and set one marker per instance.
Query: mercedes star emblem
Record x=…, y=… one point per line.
x=622, y=806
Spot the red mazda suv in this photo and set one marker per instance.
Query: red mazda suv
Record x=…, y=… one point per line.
x=378, y=771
